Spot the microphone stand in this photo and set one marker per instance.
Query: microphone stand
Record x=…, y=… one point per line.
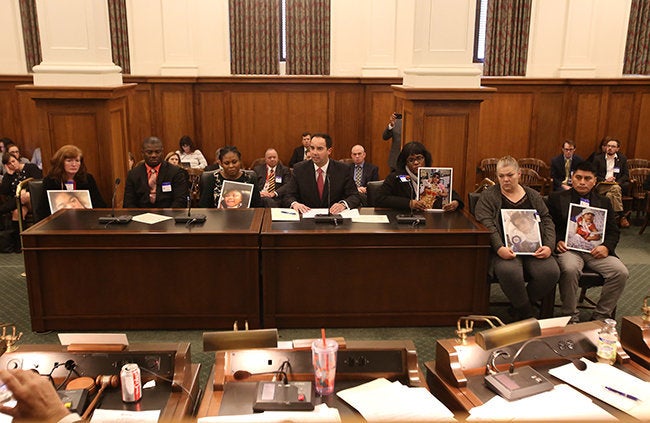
x=411, y=218
x=334, y=219
x=189, y=219
x=122, y=219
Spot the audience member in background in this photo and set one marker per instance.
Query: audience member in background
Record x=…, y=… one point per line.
x=155, y=183
x=563, y=165
x=601, y=150
x=189, y=154
x=3, y=144
x=399, y=188
x=130, y=160
x=216, y=165
x=362, y=172
x=230, y=158
x=300, y=153
x=68, y=172
x=333, y=189
x=37, y=158
x=601, y=258
x=510, y=268
x=15, y=151
x=271, y=176
x=613, y=178
x=36, y=398
x=173, y=158
x=393, y=131
x=15, y=172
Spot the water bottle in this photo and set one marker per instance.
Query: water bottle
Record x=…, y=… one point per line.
x=607, y=342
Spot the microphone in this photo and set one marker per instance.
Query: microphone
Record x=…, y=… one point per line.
x=125, y=218
x=245, y=374
x=329, y=217
x=411, y=218
x=189, y=219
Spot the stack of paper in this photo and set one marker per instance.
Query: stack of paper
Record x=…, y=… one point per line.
x=322, y=413
x=385, y=401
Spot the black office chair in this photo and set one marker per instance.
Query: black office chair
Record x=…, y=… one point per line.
x=372, y=189
x=35, y=187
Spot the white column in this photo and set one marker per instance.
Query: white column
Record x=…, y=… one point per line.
x=443, y=45
x=178, y=40
x=381, y=30
x=12, y=51
x=76, y=44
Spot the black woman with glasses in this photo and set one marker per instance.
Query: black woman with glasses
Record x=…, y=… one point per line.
x=399, y=188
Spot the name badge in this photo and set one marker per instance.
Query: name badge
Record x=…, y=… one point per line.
x=278, y=179
x=166, y=187
x=617, y=170
x=69, y=185
x=404, y=178
x=537, y=218
x=584, y=202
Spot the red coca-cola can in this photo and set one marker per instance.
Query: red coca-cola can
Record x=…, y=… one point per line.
x=131, y=383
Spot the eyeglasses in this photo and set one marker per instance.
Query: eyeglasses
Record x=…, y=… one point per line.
x=568, y=149
x=414, y=159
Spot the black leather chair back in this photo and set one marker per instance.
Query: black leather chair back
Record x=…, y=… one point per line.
x=371, y=191
x=36, y=197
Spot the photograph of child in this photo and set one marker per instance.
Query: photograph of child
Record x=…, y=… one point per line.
x=64, y=199
x=235, y=195
x=521, y=230
x=434, y=186
x=585, y=227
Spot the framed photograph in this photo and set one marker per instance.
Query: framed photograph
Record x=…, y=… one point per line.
x=69, y=199
x=521, y=230
x=585, y=227
x=235, y=195
x=434, y=186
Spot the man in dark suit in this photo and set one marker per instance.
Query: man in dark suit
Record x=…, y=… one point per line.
x=321, y=182
x=393, y=131
x=155, y=183
x=271, y=176
x=613, y=178
x=362, y=172
x=601, y=258
x=564, y=165
x=301, y=153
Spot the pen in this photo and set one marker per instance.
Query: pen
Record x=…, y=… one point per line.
x=616, y=391
x=288, y=212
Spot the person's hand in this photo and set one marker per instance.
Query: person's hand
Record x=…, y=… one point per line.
x=391, y=121
x=610, y=179
x=542, y=252
x=299, y=207
x=36, y=399
x=8, y=171
x=417, y=205
x=600, y=252
x=565, y=187
x=451, y=206
x=337, y=208
x=593, y=237
x=561, y=247
x=362, y=190
x=265, y=194
x=506, y=253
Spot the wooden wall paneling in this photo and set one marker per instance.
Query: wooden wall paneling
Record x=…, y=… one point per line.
x=141, y=119
x=547, y=131
x=307, y=111
x=173, y=113
x=586, y=111
x=9, y=122
x=621, y=119
x=380, y=103
x=118, y=117
x=642, y=145
x=211, y=119
x=347, y=120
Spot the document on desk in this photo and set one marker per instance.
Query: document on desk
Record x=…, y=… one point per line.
x=384, y=401
x=322, y=413
x=617, y=388
x=124, y=416
x=284, y=215
x=150, y=218
x=371, y=218
x=562, y=403
x=345, y=214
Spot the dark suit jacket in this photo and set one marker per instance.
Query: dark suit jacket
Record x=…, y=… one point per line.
x=50, y=184
x=280, y=171
x=395, y=194
x=369, y=172
x=558, y=206
x=297, y=156
x=302, y=186
x=557, y=169
x=620, y=162
x=136, y=192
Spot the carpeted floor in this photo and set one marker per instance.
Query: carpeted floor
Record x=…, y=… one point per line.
x=633, y=250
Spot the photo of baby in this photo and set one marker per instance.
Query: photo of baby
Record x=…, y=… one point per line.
x=585, y=227
x=64, y=199
x=235, y=195
x=521, y=230
x=434, y=186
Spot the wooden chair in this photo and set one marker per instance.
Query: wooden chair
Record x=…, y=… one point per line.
x=639, y=195
x=256, y=162
x=488, y=168
x=531, y=178
x=636, y=163
x=483, y=185
x=539, y=166
x=647, y=214
x=194, y=182
x=347, y=161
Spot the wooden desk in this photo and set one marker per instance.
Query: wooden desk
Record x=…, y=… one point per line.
x=394, y=360
x=169, y=360
x=456, y=377
x=362, y=274
x=635, y=337
x=83, y=275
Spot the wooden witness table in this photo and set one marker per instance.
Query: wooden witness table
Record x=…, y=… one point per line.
x=367, y=275
x=82, y=275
